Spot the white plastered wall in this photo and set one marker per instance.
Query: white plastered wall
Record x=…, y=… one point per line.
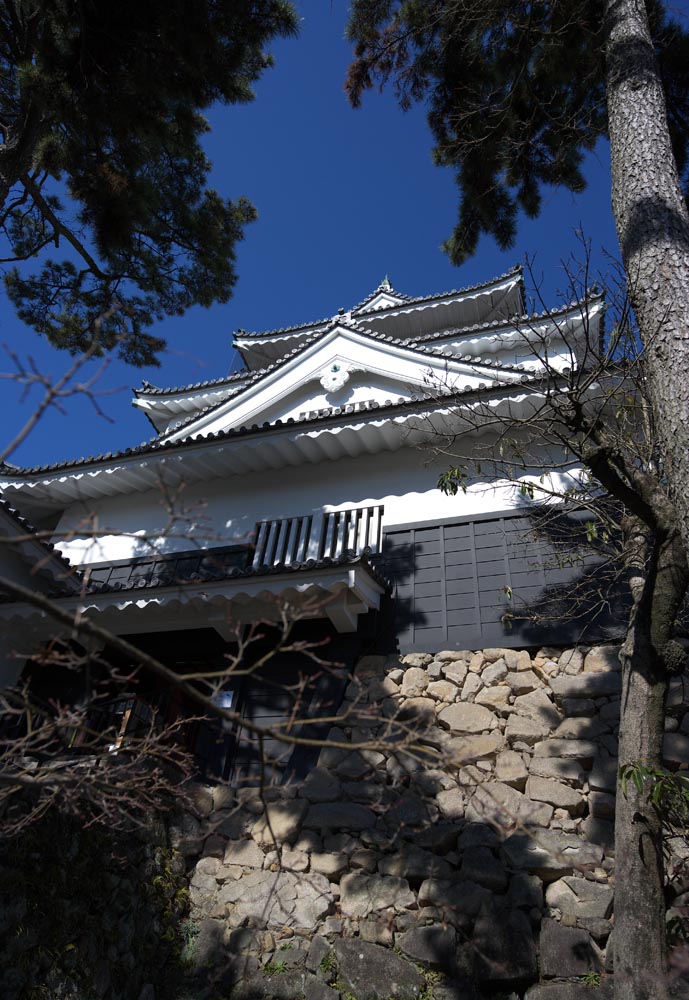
x=226, y=510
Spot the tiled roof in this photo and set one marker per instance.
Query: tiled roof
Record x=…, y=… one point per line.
x=324, y=413
x=29, y=529
x=516, y=270
x=259, y=374
x=511, y=321
x=418, y=300
x=153, y=390
x=207, y=565
x=297, y=328
x=383, y=288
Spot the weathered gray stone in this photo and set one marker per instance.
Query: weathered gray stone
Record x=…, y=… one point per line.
x=443, y=691
x=353, y=767
x=281, y=986
x=676, y=748
x=282, y=822
x=440, y=838
x=495, y=698
x=385, y=688
x=517, y=659
x=602, y=658
x=452, y=803
x=493, y=653
x=201, y=889
x=503, y=806
x=582, y=750
x=556, y=794
x=243, y=852
x=599, y=928
x=434, y=946
x=208, y=947
x=571, y=661
x=537, y=705
x=369, y=667
x=414, y=864
x=462, y=750
x=495, y=672
x=332, y=865
x=467, y=718
x=571, y=991
x=550, y=855
x=504, y=945
x=523, y=681
x=409, y=811
x=464, y=896
x=456, y=672
x=186, y=835
x=418, y=659
x=599, y=831
x=414, y=682
x=314, y=989
x=367, y=792
x=595, y=899
x=362, y=895
x=320, y=786
x=566, y=951
x=511, y=769
x=339, y=816
x=276, y=899
x=678, y=694
x=208, y=865
x=471, y=686
x=602, y=805
x=586, y=685
x=580, y=728
x=418, y=710
x=480, y=865
x=319, y=949
x=363, y=860
x=603, y=776
x=555, y=767
x=453, y=655
x=526, y=891
x=579, y=707
x=520, y=727
x=370, y=972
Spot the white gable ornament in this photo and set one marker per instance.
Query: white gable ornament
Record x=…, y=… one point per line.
x=335, y=376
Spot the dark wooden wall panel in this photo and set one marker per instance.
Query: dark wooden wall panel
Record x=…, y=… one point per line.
x=474, y=583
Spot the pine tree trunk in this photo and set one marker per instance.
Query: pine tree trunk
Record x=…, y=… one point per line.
x=639, y=938
x=653, y=230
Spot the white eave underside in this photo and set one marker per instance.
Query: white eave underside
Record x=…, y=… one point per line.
x=275, y=448
x=340, y=593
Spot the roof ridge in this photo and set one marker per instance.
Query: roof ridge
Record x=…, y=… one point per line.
x=516, y=269
x=147, y=389
x=156, y=444
x=31, y=529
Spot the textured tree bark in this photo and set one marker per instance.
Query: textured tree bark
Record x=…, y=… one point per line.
x=639, y=939
x=658, y=579
x=653, y=229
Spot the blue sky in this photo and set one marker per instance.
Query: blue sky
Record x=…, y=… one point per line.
x=344, y=198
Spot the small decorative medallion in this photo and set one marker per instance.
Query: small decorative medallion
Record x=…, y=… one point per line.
x=335, y=377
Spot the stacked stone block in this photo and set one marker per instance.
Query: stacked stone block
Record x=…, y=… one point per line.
x=460, y=820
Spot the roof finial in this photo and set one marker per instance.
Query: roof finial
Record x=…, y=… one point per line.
x=385, y=285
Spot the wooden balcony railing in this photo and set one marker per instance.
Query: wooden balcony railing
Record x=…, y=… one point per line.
x=291, y=540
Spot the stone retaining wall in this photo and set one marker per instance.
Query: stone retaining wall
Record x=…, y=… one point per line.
x=478, y=860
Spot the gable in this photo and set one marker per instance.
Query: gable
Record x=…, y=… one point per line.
x=343, y=367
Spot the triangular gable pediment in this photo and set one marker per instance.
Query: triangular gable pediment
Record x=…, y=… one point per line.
x=383, y=300
x=344, y=367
